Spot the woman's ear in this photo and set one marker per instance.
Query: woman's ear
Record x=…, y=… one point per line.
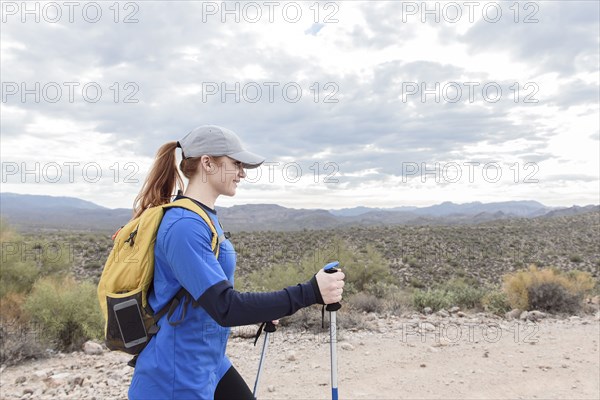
x=206, y=163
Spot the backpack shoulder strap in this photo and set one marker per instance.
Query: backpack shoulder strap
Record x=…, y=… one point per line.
x=190, y=205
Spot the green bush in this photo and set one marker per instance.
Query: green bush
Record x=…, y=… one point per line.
x=66, y=312
x=575, y=258
x=277, y=277
x=435, y=299
x=457, y=292
x=416, y=283
x=368, y=272
x=496, y=302
x=365, y=271
x=464, y=294
x=16, y=275
x=24, y=260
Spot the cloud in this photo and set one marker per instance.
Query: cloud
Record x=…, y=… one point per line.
x=365, y=86
x=550, y=36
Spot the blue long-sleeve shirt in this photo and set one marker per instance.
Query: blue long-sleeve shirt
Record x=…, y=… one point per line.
x=188, y=360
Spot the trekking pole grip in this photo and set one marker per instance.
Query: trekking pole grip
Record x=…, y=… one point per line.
x=331, y=269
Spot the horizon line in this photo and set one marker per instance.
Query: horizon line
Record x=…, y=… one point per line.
x=392, y=208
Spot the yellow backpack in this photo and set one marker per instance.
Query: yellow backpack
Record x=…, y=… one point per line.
x=128, y=275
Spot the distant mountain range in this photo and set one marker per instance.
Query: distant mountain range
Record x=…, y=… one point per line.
x=28, y=212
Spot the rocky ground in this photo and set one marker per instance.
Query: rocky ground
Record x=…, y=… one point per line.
x=438, y=356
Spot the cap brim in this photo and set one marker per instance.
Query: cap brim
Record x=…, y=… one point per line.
x=250, y=160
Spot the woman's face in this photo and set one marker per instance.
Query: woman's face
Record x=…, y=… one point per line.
x=226, y=175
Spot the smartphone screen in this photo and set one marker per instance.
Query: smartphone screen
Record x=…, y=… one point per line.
x=130, y=323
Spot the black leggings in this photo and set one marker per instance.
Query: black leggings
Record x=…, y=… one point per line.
x=233, y=387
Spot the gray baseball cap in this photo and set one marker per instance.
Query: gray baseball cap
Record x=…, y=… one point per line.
x=216, y=141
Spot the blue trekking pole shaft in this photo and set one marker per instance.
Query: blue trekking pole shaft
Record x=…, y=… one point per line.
x=333, y=308
x=270, y=327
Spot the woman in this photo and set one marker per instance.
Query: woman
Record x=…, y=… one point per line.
x=188, y=361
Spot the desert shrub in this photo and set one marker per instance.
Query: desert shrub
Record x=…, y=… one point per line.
x=456, y=292
x=16, y=276
x=349, y=320
x=365, y=302
x=547, y=289
x=580, y=282
x=306, y=318
x=416, y=283
x=464, y=294
x=365, y=272
x=280, y=275
x=19, y=341
x=575, y=258
x=397, y=302
x=496, y=302
x=277, y=277
x=436, y=299
x=66, y=312
x=381, y=289
x=552, y=296
x=24, y=260
x=11, y=309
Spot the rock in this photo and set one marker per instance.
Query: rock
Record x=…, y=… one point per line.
x=442, y=342
x=523, y=316
x=28, y=391
x=535, y=315
x=513, y=314
x=461, y=314
x=291, y=356
x=77, y=381
x=92, y=348
x=20, y=380
x=54, y=381
x=429, y=327
x=454, y=309
x=431, y=349
x=347, y=346
x=427, y=310
x=61, y=376
x=271, y=388
x=443, y=313
x=423, y=365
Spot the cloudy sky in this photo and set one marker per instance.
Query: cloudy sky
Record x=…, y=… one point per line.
x=377, y=103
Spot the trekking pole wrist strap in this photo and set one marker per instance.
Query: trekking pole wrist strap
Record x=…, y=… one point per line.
x=269, y=327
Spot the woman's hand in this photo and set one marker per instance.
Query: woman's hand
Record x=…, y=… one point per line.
x=331, y=286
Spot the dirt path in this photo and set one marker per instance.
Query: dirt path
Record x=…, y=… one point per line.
x=409, y=358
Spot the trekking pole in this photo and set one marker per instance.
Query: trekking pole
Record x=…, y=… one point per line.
x=333, y=308
x=269, y=328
